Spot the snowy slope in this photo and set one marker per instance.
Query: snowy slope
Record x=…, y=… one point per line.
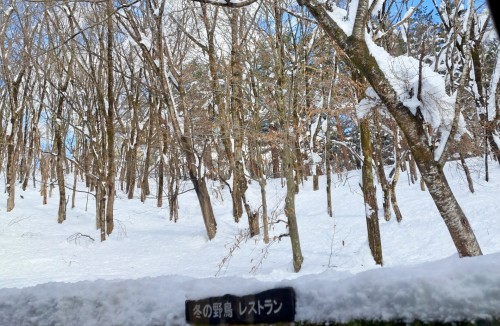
x=147, y=269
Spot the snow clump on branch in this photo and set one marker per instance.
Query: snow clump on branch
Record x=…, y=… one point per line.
x=431, y=103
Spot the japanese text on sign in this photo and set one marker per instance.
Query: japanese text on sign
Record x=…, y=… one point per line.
x=277, y=305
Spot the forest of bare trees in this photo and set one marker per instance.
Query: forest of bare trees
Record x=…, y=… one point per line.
x=135, y=97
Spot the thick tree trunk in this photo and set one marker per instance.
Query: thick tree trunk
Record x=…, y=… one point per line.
x=460, y=230
x=206, y=206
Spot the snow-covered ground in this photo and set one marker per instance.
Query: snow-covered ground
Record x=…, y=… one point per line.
x=53, y=274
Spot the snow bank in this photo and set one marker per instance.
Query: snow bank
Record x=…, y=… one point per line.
x=452, y=289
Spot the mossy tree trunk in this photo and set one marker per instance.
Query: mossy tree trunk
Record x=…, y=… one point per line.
x=370, y=194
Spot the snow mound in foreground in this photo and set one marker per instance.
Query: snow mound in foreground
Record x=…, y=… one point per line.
x=452, y=289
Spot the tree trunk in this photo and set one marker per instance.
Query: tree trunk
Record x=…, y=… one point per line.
x=460, y=230
x=11, y=173
x=44, y=167
x=290, y=209
x=145, y=191
x=395, y=177
x=467, y=172
x=206, y=206
x=110, y=127
x=73, y=195
x=328, y=163
x=287, y=152
x=379, y=163
x=12, y=150
x=265, y=222
x=236, y=103
x=370, y=195
x=61, y=153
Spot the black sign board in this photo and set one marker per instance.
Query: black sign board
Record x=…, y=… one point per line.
x=271, y=306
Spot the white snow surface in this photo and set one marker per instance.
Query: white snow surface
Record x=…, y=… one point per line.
x=149, y=266
x=342, y=18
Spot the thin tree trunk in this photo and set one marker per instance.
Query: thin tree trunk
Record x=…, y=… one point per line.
x=73, y=196
x=328, y=163
x=145, y=191
x=61, y=153
x=290, y=209
x=44, y=167
x=395, y=177
x=110, y=127
x=287, y=152
x=265, y=222
x=236, y=103
x=12, y=150
x=370, y=195
x=379, y=163
x=467, y=172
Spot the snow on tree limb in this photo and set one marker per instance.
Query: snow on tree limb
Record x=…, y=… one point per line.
x=436, y=106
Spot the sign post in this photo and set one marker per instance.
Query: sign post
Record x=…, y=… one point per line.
x=271, y=306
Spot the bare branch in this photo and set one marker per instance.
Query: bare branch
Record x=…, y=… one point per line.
x=228, y=3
